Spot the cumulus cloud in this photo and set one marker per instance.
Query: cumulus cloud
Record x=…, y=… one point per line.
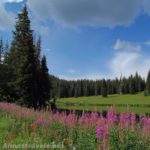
x=87, y=12
x=126, y=46
x=128, y=62
x=128, y=58
x=101, y=13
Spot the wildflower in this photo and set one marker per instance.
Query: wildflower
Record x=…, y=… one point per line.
x=85, y=120
x=71, y=120
x=124, y=119
x=41, y=122
x=112, y=116
x=102, y=134
x=33, y=126
x=133, y=120
x=102, y=131
x=141, y=117
x=93, y=118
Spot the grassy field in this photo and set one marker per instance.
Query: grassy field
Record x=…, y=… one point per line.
x=137, y=103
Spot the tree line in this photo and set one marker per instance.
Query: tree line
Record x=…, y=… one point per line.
x=63, y=88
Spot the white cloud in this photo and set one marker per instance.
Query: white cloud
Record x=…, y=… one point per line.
x=87, y=12
x=128, y=62
x=101, y=13
x=128, y=59
x=126, y=46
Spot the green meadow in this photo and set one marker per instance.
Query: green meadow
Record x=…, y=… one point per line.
x=137, y=103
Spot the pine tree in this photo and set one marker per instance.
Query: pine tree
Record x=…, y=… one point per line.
x=104, y=88
x=6, y=51
x=96, y=88
x=45, y=85
x=37, y=54
x=38, y=51
x=148, y=83
x=136, y=78
x=23, y=61
x=132, y=89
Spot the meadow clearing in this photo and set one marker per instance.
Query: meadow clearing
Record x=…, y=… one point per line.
x=137, y=103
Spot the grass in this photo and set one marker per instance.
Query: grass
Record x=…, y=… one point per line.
x=137, y=110
x=137, y=103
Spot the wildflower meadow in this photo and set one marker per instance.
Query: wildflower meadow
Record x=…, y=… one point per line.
x=89, y=131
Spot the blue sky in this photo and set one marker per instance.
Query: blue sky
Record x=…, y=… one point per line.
x=87, y=38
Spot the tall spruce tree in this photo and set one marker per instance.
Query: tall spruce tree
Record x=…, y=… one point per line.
x=38, y=51
x=38, y=67
x=104, y=88
x=148, y=83
x=23, y=61
x=45, y=85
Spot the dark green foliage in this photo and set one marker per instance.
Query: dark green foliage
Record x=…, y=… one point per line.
x=6, y=90
x=148, y=83
x=23, y=61
x=132, y=87
x=64, y=88
x=38, y=52
x=44, y=83
x=104, y=88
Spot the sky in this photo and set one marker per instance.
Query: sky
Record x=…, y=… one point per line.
x=90, y=39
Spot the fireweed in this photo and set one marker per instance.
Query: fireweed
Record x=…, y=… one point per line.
x=88, y=131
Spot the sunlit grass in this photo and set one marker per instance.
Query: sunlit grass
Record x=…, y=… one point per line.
x=137, y=103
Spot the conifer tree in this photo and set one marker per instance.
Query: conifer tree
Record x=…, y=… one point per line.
x=38, y=67
x=132, y=89
x=23, y=61
x=38, y=51
x=45, y=85
x=104, y=88
x=148, y=83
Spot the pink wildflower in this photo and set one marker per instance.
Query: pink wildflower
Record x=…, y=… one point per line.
x=41, y=122
x=112, y=116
